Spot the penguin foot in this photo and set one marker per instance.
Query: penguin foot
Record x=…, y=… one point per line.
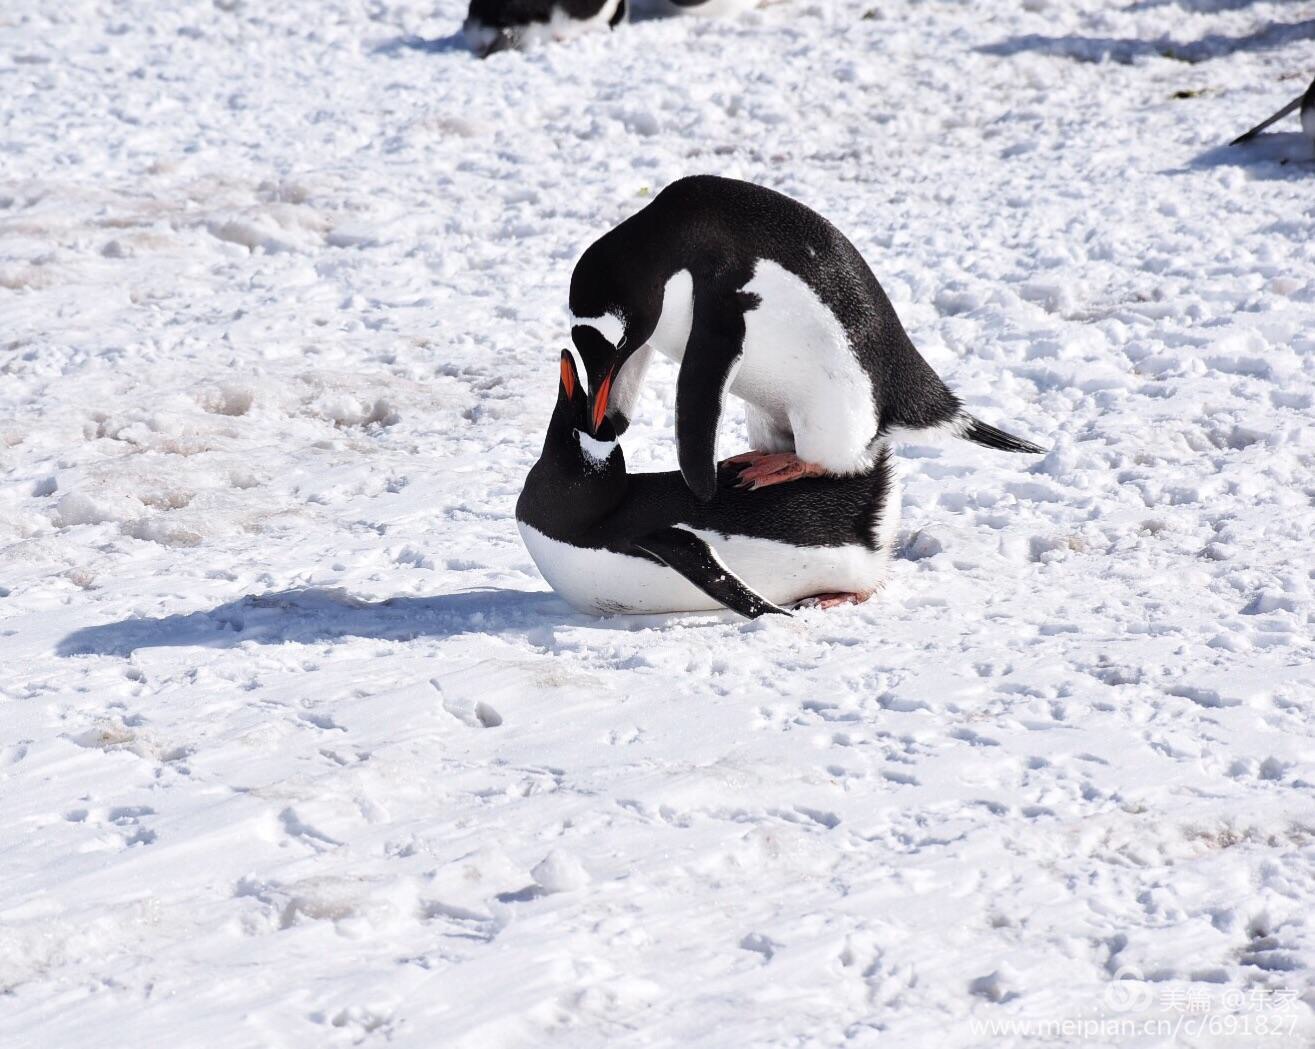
x=767, y=468
x=834, y=600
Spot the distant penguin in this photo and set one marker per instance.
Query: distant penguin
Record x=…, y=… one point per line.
x=755, y=294
x=1306, y=103
x=498, y=25
x=613, y=542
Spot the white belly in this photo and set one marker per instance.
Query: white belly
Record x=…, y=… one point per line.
x=797, y=369
x=607, y=583
x=671, y=335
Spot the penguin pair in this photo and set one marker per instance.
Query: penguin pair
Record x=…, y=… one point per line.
x=609, y=541
x=1305, y=103
x=754, y=294
x=500, y=25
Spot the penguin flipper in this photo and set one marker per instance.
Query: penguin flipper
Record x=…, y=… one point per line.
x=684, y=552
x=1265, y=123
x=714, y=348
x=973, y=429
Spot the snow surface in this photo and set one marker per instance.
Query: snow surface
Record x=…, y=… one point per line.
x=298, y=750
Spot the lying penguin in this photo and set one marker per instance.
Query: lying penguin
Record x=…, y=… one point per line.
x=610, y=541
x=756, y=294
x=497, y=25
x=1306, y=103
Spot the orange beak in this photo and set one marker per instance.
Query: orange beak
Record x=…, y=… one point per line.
x=568, y=377
x=600, y=400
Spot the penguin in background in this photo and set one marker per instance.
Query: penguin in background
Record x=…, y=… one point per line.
x=1306, y=103
x=500, y=25
x=753, y=293
x=609, y=541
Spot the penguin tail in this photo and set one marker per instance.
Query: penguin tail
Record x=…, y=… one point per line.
x=503, y=40
x=484, y=39
x=1265, y=123
x=973, y=429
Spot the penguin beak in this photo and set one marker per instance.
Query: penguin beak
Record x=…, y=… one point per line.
x=600, y=400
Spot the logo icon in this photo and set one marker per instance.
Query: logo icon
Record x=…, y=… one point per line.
x=1128, y=992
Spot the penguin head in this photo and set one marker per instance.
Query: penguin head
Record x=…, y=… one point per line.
x=602, y=362
x=581, y=475
x=592, y=443
x=614, y=311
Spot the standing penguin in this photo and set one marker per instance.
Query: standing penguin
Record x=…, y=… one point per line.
x=497, y=25
x=609, y=541
x=1306, y=103
x=754, y=293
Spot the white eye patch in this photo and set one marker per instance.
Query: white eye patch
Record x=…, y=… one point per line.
x=609, y=326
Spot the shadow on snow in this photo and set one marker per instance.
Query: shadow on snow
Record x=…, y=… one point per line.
x=1127, y=50
x=314, y=615
x=1273, y=155
x=435, y=46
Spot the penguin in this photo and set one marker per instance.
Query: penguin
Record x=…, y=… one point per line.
x=609, y=541
x=757, y=295
x=498, y=25
x=1306, y=103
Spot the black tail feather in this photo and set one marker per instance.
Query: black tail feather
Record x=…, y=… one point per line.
x=1265, y=123
x=973, y=429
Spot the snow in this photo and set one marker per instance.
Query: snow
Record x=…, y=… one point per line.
x=298, y=748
